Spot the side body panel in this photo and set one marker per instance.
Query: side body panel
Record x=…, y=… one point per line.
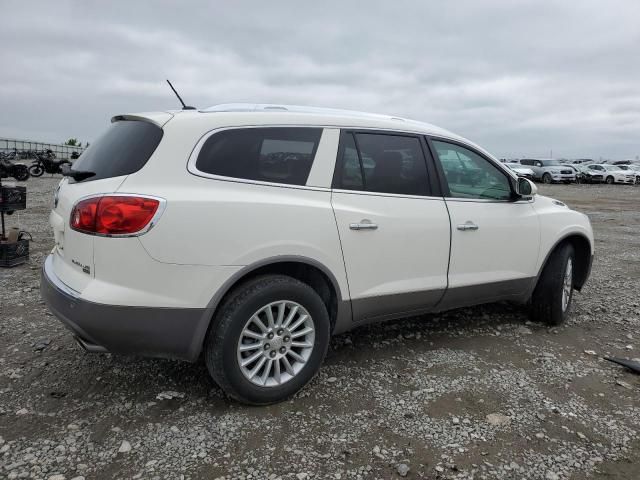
x=500, y=255
x=400, y=267
x=557, y=221
x=220, y=221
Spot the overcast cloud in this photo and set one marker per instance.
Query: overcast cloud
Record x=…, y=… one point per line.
x=517, y=77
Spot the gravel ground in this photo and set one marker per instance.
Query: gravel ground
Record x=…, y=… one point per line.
x=473, y=393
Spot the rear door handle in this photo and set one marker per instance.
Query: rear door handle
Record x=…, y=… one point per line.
x=363, y=225
x=469, y=225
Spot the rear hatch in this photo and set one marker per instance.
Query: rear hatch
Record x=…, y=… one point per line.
x=123, y=149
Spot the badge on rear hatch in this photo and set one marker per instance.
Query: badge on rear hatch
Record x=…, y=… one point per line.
x=85, y=268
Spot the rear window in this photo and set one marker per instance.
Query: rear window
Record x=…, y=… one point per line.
x=123, y=149
x=272, y=154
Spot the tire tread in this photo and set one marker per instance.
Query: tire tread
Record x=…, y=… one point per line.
x=222, y=321
x=546, y=301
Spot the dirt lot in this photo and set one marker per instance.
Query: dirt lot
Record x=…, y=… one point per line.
x=474, y=393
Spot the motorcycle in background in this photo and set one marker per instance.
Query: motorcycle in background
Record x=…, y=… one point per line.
x=46, y=163
x=19, y=171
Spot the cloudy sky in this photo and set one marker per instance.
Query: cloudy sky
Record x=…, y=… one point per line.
x=518, y=77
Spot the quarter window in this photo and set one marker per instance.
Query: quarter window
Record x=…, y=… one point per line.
x=351, y=174
x=272, y=154
x=382, y=163
x=469, y=175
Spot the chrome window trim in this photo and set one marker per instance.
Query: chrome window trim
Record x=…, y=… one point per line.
x=487, y=200
x=193, y=157
x=382, y=194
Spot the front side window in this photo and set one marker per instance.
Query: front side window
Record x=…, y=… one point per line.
x=270, y=154
x=382, y=163
x=469, y=175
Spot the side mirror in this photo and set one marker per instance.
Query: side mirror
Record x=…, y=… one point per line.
x=526, y=188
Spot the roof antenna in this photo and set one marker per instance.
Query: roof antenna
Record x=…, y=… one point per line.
x=184, y=107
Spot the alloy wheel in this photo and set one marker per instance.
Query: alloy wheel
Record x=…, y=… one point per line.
x=275, y=343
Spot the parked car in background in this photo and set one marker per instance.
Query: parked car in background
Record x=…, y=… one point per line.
x=267, y=240
x=577, y=172
x=579, y=161
x=549, y=170
x=521, y=170
x=589, y=175
x=613, y=173
x=631, y=168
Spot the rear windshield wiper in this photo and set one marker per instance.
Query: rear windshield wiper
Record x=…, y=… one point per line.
x=77, y=175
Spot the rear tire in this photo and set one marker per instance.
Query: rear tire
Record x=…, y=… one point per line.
x=289, y=358
x=546, y=178
x=551, y=299
x=21, y=173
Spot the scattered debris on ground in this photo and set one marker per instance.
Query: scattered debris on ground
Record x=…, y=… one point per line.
x=474, y=393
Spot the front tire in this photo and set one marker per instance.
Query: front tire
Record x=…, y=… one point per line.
x=551, y=299
x=546, y=178
x=268, y=340
x=36, y=170
x=610, y=180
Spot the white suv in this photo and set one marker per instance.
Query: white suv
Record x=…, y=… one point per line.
x=253, y=233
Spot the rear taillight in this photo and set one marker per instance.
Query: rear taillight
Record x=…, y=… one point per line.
x=114, y=214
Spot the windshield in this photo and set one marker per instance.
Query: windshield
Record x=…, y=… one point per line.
x=550, y=163
x=611, y=167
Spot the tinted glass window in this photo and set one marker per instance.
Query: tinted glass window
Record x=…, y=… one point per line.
x=123, y=149
x=390, y=163
x=469, y=175
x=280, y=155
x=349, y=175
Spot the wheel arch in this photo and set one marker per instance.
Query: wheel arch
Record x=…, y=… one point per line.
x=305, y=269
x=583, y=256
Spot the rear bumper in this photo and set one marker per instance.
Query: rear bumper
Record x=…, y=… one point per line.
x=147, y=331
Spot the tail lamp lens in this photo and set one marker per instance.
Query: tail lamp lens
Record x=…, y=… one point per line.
x=113, y=215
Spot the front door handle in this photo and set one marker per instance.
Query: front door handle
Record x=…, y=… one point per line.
x=469, y=225
x=363, y=225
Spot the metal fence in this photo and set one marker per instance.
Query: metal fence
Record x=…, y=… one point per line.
x=24, y=147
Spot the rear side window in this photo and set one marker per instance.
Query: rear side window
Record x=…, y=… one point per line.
x=271, y=154
x=382, y=163
x=123, y=149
